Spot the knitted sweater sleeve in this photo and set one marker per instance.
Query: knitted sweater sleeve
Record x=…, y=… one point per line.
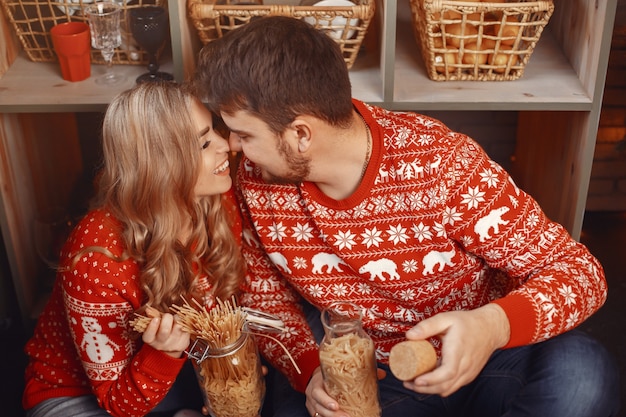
x=100, y=296
x=553, y=282
x=266, y=290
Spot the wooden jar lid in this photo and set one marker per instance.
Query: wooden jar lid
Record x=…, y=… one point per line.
x=411, y=358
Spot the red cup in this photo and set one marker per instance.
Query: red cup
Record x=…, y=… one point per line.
x=72, y=45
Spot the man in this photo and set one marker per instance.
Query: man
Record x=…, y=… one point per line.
x=412, y=222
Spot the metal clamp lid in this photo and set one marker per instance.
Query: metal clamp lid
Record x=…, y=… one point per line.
x=261, y=321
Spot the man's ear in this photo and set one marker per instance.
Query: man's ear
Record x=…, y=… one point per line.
x=303, y=133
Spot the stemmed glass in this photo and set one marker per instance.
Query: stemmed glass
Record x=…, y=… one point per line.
x=149, y=26
x=106, y=35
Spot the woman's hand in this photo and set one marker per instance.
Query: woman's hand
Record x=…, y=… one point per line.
x=164, y=333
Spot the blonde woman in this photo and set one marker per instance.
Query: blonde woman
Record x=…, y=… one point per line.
x=158, y=231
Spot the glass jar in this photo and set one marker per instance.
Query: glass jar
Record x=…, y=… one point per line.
x=230, y=377
x=348, y=361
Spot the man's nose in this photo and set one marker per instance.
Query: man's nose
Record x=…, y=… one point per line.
x=234, y=143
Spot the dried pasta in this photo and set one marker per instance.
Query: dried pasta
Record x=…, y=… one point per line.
x=349, y=372
x=230, y=375
x=226, y=359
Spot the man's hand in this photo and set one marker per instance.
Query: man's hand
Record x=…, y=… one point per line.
x=468, y=339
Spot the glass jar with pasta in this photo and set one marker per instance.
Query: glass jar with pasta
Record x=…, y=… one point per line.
x=230, y=377
x=348, y=361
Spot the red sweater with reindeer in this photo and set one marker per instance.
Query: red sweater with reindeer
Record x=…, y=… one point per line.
x=434, y=226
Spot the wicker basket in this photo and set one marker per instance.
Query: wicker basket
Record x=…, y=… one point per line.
x=346, y=25
x=482, y=41
x=33, y=19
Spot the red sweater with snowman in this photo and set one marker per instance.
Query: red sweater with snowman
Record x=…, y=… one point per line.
x=83, y=342
x=434, y=226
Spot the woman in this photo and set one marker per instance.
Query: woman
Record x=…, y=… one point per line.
x=157, y=232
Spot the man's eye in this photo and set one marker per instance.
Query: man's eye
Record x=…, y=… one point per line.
x=206, y=144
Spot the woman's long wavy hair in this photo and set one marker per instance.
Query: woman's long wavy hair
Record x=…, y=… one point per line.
x=151, y=164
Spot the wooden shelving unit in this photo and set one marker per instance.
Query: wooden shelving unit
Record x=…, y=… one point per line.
x=558, y=101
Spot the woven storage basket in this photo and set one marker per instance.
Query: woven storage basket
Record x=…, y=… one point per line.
x=483, y=41
x=33, y=19
x=346, y=25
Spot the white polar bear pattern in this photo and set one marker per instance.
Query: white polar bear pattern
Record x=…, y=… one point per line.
x=280, y=261
x=98, y=347
x=379, y=267
x=328, y=260
x=436, y=258
x=491, y=221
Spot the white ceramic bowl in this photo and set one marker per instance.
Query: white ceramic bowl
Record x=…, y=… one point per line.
x=337, y=21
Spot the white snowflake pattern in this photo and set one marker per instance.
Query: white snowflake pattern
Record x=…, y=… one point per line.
x=422, y=232
x=568, y=294
x=416, y=200
x=425, y=139
x=302, y=232
x=409, y=266
x=316, y=290
x=397, y=234
x=363, y=288
x=292, y=202
x=399, y=202
x=408, y=294
x=437, y=196
x=379, y=205
x=361, y=210
x=439, y=229
x=493, y=254
x=277, y=231
x=489, y=177
x=345, y=240
x=573, y=319
x=532, y=220
x=339, y=290
x=253, y=198
x=299, y=262
x=517, y=240
x=402, y=137
x=371, y=237
x=450, y=215
x=473, y=197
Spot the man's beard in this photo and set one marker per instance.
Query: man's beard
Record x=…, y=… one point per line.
x=298, y=166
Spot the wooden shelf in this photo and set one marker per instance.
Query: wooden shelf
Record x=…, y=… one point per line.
x=549, y=83
x=31, y=87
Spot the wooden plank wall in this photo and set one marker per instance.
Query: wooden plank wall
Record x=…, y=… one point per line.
x=607, y=188
x=39, y=165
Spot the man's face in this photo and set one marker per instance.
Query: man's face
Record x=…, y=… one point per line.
x=276, y=156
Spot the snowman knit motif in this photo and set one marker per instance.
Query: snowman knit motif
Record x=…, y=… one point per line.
x=434, y=226
x=83, y=342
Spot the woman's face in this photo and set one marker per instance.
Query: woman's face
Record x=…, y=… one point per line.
x=214, y=175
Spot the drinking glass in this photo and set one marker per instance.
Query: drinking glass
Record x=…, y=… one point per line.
x=149, y=26
x=106, y=35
